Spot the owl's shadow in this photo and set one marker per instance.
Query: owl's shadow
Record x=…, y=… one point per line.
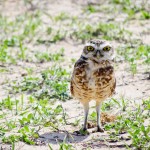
x=59, y=137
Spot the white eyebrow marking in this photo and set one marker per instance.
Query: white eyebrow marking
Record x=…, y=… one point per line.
x=90, y=44
x=104, y=44
x=101, y=46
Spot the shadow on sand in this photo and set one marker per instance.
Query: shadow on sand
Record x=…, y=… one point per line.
x=55, y=137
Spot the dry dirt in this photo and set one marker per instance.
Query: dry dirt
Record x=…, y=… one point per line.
x=133, y=88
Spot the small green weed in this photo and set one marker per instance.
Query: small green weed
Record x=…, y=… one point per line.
x=45, y=56
x=4, y=56
x=133, y=54
x=65, y=146
x=132, y=8
x=29, y=119
x=108, y=31
x=133, y=122
x=145, y=15
x=90, y=8
x=52, y=83
x=62, y=16
x=55, y=36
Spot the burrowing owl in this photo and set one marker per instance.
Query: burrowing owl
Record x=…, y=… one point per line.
x=93, y=77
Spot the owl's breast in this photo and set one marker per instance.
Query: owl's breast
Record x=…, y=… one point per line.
x=92, y=83
x=105, y=82
x=103, y=76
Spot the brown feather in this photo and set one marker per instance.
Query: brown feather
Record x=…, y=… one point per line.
x=103, y=78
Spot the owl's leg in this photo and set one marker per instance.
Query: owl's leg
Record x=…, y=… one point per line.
x=83, y=131
x=86, y=111
x=98, y=107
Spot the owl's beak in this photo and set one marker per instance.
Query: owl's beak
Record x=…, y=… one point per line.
x=98, y=55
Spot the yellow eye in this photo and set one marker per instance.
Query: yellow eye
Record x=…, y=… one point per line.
x=107, y=48
x=90, y=48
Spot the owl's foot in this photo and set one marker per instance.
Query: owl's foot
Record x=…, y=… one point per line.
x=82, y=132
x=99, y=129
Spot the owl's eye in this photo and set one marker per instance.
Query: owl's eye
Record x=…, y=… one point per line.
x=90, y=48
x=107, y=48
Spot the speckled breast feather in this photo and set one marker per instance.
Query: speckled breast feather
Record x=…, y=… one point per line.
x=92, y=81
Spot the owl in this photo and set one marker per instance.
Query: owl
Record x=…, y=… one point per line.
x=93, y=77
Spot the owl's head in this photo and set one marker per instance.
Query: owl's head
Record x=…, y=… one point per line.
x=98, y=50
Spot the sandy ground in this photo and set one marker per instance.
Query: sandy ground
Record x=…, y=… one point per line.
x=133, y=88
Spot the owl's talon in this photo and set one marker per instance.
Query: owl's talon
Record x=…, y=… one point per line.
x=99, y=129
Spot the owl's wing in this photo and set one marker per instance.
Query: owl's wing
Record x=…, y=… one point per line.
x=78, y=80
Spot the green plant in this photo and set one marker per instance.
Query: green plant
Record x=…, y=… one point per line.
x=56, y=35
x=31, y=25
x=132, y=122
x=108, y=31
x=11, y=139
x=7, y=103
x=145, y=14
x=90, y=8
x=45, y=56
x=29, y=119
x=62, y=16
x=65, y=146
x=129, y=7
x=52, y=83
x=107, y=105
x=134, y=53
x=122, y=103
x=22, y=51
x=28, y=134
x=3, y=53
